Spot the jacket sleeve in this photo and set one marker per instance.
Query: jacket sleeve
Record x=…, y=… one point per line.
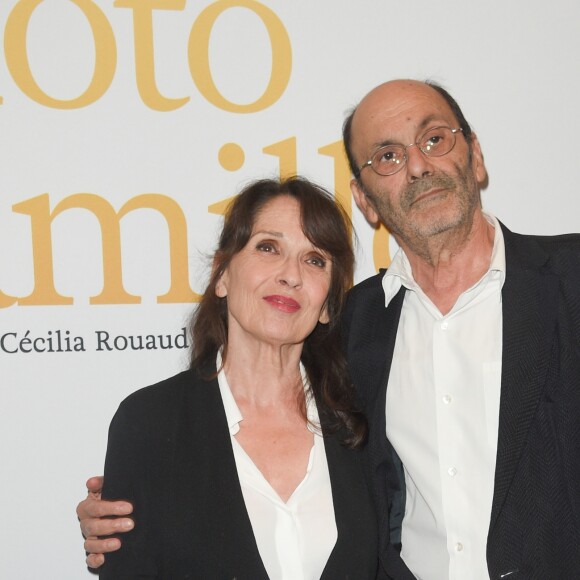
x=127, y=467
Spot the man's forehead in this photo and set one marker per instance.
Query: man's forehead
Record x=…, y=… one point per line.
x=400, y=104
x=394, y=93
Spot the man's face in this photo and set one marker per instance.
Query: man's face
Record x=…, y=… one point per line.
x=430, y=195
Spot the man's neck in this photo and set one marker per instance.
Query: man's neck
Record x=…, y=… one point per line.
x=450, y=263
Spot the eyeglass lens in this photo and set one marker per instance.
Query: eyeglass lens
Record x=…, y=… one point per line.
x=434, y=143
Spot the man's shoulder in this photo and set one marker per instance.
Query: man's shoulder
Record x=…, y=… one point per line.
x=364, y=299
x=546, y=241
x=560, y=252
x=562, y=247
x=371, y=284
x=556, y=243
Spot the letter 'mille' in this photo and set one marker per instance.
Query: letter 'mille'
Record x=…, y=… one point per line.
x=45, y=293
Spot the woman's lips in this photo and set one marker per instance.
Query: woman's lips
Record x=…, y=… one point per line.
x=283, y=303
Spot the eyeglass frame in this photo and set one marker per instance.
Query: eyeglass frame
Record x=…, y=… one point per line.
x=369, y=163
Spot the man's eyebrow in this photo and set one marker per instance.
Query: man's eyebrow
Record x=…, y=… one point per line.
x=428, y=120
x=384, y=143
x=420, y=128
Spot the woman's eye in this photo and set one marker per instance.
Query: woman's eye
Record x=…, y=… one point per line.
x=267, y=247
x=318, y=261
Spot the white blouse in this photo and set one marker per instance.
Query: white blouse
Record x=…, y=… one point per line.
x=295, y=538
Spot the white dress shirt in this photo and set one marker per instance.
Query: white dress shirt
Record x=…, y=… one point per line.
x=442, y=416
x=295, y=538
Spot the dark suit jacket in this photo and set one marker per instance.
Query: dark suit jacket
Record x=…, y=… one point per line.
x=170, y=454
x=534, y=530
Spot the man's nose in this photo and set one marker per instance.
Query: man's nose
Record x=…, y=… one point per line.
x=418, y=164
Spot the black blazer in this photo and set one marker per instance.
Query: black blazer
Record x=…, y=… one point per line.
x=170, y=454
x=534, y=532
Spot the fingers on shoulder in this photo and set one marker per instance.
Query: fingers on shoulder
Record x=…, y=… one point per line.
x=97, y=548
x=95, y=560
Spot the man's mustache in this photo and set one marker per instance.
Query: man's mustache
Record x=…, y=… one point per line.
x=418, y=188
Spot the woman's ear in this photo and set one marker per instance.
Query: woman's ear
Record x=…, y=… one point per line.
x=324, y=318
x=221, y=288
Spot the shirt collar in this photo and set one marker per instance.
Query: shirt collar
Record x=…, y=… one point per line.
x=234, y=415
x=400, y=274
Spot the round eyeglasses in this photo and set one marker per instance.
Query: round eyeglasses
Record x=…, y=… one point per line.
x=389, y=159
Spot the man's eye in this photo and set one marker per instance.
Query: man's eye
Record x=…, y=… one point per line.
x=433, y=141
x=387, y=156
x=439, y=140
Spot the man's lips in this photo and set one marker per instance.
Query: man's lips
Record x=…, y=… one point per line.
x=283, y=303
x=426, y=194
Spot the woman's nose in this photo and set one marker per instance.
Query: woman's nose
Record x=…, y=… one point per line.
x=290, y=273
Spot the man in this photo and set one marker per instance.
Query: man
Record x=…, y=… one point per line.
x=466, y=355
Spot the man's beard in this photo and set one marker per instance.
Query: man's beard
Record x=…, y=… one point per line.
x=399, y=218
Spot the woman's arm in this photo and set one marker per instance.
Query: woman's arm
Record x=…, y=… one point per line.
x=127, y=463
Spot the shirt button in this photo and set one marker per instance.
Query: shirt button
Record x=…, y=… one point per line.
x=452, y=471
x=459, y=546
x=446, y=399
x=444, y=325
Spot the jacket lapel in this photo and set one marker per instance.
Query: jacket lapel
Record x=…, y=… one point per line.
x=375, y=347
x=206, y=468
x=529, y=297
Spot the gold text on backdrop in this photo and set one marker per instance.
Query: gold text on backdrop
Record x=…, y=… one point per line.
x=41, y=222
x=17, y=61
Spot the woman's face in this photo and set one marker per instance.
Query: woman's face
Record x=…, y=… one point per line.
x=277, y=285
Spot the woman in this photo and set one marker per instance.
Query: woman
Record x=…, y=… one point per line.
x=226, y=464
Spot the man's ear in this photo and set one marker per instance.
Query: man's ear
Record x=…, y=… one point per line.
x=363, y=203
x=477, y=162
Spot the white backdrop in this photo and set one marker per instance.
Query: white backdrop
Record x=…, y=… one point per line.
x=105, y=101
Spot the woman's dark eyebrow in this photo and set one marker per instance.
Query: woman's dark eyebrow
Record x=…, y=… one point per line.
x=269, y=233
